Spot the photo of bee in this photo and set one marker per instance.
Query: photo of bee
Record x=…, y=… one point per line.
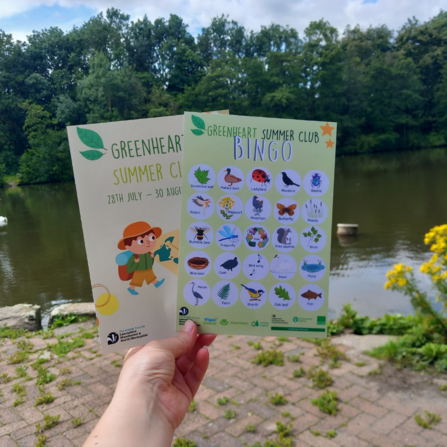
x=200, y=232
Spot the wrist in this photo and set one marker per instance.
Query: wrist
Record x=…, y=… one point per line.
x=132, y=418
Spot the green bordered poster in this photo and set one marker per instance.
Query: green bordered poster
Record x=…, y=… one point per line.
x=255, y=235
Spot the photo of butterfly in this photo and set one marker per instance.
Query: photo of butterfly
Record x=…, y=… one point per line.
x=282, y=209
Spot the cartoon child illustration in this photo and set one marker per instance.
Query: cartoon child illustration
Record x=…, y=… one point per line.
x=139, y=239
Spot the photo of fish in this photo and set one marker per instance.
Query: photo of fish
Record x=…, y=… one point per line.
x=309, y=295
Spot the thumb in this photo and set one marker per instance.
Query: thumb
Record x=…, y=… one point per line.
x=181, y=344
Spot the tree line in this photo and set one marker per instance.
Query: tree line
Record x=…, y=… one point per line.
x=386, y=90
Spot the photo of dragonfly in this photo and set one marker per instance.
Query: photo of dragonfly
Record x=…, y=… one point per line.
x=228, y=234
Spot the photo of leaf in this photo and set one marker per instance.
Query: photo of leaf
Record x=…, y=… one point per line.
x=313, y=235
x=201, y=176
x=224, y=291
x=280, y=292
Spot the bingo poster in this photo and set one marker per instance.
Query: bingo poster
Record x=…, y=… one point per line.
x=255, y=236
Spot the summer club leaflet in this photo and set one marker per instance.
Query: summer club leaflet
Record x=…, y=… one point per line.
x=255, y=228
x=128, y=182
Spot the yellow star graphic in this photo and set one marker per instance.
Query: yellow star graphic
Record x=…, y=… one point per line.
x=330, y=143
x=327, y=130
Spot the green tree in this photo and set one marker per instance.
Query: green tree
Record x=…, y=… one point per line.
x=48, y=158
x=110, y=95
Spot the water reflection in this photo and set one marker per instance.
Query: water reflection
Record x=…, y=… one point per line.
x=395, y=198
x=42, y=255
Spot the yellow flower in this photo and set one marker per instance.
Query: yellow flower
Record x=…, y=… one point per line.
x=402, y=282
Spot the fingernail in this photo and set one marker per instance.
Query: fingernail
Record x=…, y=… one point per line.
x=189, y=326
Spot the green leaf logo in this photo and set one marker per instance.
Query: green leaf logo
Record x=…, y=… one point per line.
x=223, y=322
x=92, y=155
x=200, y=124
x=94, y=141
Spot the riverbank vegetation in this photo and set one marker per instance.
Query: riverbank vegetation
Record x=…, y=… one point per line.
x=386, y=90
x=422, y=342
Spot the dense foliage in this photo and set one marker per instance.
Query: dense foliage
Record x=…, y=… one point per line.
x=423, y=338
x=386, y=90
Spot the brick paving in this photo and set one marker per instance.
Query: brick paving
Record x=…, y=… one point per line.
x=370, y=414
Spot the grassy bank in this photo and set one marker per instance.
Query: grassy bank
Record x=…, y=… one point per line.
x=13, y=178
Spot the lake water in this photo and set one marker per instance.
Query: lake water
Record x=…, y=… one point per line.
x=395, y=198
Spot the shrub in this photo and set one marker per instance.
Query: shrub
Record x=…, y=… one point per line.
x=254, y=345
x=277, y=399
x=328, y=351
x=18, y=357
x=7, y=332
x=192, y=406
x=41, y=441
x=401, y=278
x=77, y=422
x=65, y=320
x=62, y=348
x=182, y=442
x=430, y=419
x=320, y=378
x=230, y=414
x=269, y=357
x=21, y=371
x=44, y=376
x=299, y=372
x=44, y=398
x=327, y=402
x=19, y=389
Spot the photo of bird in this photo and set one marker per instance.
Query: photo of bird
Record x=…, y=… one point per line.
x=254, y=294
x=287, y=180
x=230, y=178
x=197, y=295
x=257, y=205
x=201, y=202
x=230, y=264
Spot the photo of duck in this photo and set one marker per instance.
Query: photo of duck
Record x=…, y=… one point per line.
x=283, y=265
x=230, y=178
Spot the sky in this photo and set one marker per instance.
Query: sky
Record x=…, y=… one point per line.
x=21, y=17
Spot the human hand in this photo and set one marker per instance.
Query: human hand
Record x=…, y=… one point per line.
x=156, y=386
x=137, y=259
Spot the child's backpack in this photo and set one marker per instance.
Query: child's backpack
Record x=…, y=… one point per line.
x=122, y=259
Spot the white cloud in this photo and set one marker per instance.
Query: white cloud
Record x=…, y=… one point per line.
x=254, y=13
